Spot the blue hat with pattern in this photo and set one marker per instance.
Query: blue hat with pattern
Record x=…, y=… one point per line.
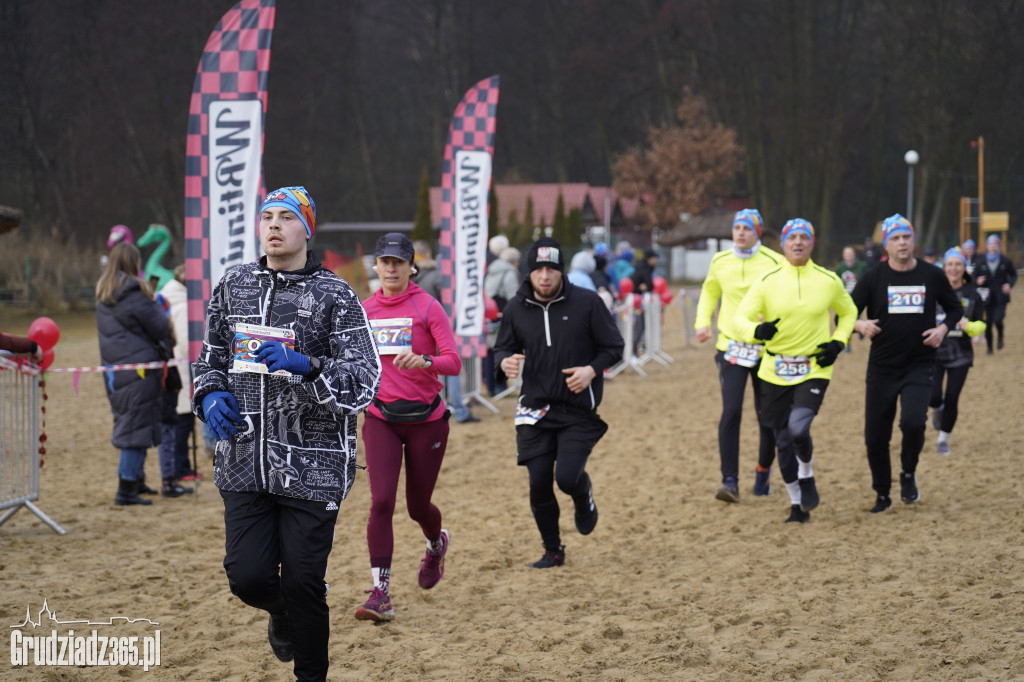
x=297, y=200
x=895, y=224
x=955, y=252
x=750, y=217
x=797, y=225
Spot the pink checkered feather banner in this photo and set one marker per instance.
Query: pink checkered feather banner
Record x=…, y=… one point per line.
x=465, y=183
x=224, y=153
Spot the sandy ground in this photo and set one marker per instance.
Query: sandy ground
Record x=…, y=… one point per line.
x=672, y=585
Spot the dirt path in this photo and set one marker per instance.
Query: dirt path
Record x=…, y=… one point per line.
x=672, y=585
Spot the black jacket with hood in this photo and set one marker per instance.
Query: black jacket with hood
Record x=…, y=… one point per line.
x=572, y=330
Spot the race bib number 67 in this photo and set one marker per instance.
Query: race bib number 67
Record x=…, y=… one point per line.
x=392, y=335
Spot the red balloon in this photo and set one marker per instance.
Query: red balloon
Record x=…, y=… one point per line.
x=660, y=284
x=490, y=309
x=666, y=297
x=44, y=332
x=625, y=287
x=47, y=358
x=638, y=301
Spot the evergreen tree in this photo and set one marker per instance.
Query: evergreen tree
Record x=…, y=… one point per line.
x=560, y=226
x=574, y=230
x=514, y=229
x=492, y=213
x=526, y=236
x=422, y=228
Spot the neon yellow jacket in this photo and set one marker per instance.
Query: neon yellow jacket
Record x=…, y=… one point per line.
x=730, y=277
x=800, y=298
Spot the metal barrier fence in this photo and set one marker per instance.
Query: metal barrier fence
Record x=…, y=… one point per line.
x=19, y=441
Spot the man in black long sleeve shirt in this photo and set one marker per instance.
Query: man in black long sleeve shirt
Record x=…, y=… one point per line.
x=566, y=338
x=900, y=296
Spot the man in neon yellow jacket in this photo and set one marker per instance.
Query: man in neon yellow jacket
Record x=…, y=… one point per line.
x=799, y=353
x=729, y=277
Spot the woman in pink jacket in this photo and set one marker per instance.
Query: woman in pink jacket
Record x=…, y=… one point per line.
x=408, y=414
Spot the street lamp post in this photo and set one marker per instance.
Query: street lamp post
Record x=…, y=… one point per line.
x=910, y=158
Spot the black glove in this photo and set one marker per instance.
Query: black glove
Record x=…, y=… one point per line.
x=766, y=330
x=829, y=352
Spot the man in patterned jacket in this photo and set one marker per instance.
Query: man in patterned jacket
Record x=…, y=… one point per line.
x=287, y=364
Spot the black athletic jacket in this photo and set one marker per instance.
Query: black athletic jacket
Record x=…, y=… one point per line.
x=573, y=330
x=957, y=348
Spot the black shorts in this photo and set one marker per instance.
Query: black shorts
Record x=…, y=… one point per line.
x=778, y=401
x=560, y=430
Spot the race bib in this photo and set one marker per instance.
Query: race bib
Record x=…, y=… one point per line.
x=792, y=368
x=392, y=335
x=940, y=317
x=743, y=354
x=248, y=338
x=529, y=416
x=849, y=280
x=906, y=300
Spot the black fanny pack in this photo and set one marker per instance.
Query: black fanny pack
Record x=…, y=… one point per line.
x=407, y=410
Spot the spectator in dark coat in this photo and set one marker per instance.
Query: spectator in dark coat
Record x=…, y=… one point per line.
x=131, y=324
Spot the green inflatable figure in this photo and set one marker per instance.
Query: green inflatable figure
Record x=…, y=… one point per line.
x=161, y=236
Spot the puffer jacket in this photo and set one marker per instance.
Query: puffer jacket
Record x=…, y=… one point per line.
x=298, y=438
x=128, y=333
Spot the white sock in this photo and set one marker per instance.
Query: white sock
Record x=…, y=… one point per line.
x=381, y=578
x=794, y=492
x=805, y=469
x=943, y=436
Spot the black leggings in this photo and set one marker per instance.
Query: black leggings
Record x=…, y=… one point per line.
x=995, y=312
x=545, y=470
x=733, y=380
x=949, y=403
x=911, y=387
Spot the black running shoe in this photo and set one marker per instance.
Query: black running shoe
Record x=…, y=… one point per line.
x=797, y=515
x=882, y=503
x=279, y=632
x=908, y=488
x=808, y=494
x=586, y=512
x=551, y=558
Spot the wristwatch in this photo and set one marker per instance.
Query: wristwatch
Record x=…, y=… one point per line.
x=429, y=360
x=315, y=367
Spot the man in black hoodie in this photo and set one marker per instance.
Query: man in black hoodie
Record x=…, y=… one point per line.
x=565, y=337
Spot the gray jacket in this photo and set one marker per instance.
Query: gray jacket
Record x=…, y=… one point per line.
x=299, y=436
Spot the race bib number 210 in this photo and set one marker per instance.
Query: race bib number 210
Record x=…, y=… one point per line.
x=908, y=299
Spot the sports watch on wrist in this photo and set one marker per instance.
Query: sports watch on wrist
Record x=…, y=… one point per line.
x=429, y=360
x=315, y=367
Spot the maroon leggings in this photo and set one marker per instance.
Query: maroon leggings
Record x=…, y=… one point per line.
x=425, y=444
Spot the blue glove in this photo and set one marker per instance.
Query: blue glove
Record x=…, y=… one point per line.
x=275, y=355
x=220, y=410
